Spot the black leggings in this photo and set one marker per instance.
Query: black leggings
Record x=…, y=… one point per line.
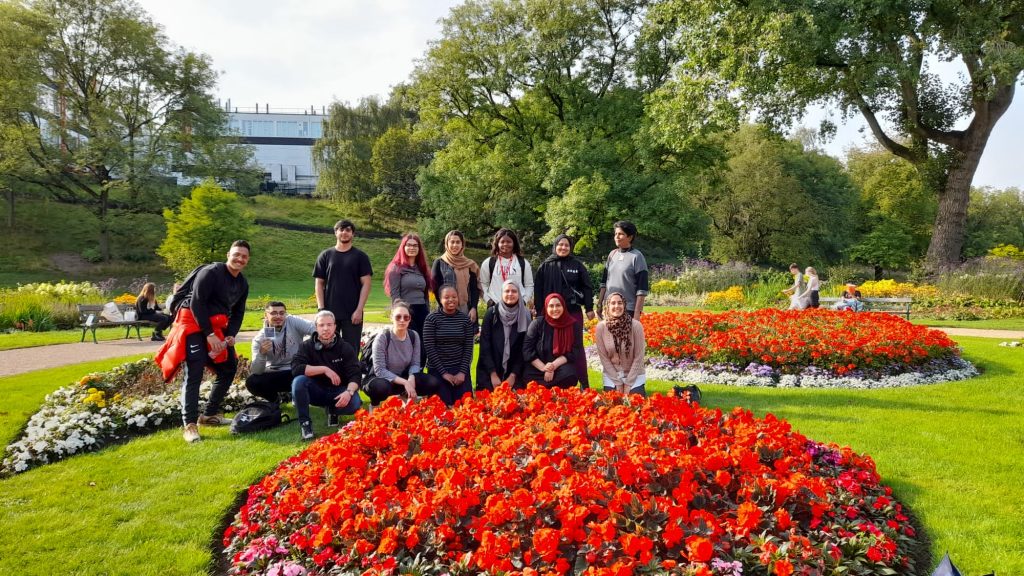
x=380, y=389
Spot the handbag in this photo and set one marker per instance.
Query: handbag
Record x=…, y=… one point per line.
x=575, y=296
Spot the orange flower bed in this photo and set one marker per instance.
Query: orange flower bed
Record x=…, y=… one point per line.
x=554, y=481
x=789, y=340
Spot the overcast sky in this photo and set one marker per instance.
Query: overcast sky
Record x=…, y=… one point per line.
x=297, y=54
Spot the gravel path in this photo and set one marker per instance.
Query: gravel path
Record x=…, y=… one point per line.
x=23, y=360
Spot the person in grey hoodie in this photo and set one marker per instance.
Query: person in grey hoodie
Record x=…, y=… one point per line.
x=272, y=352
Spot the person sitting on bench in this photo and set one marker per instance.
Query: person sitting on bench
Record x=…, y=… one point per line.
x=149, y=309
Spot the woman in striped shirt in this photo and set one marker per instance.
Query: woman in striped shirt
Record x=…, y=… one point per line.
x=448, y=338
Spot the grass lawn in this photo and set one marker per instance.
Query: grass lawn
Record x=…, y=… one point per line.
x=952, y=452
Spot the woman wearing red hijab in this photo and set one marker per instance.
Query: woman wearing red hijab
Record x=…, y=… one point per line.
x=548, y=346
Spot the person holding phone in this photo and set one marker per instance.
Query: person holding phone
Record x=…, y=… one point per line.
x=273, y=348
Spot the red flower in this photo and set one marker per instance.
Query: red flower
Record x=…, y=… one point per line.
x=699, y=549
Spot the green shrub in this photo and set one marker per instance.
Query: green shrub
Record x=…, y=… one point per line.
x=990, y=278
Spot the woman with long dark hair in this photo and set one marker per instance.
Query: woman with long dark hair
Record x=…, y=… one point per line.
x=501, y=340
x=562, y=273
x=506, y=262
x=455, y=270
x=407, y=279
x=549, y=344
x=149, y=309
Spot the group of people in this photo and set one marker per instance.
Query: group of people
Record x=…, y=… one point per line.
x=804, y=293
x=531, y=331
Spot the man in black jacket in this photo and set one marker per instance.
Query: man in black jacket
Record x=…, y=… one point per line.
x=327, y=373
x=217, y=305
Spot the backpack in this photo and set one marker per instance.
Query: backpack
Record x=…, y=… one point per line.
x=366, y=354
x=258, y=416
x=689, y=393
x=182, y=297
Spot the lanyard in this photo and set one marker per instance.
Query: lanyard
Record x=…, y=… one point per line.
x=505, y=270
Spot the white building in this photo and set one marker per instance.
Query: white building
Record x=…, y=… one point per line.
x=283, y=141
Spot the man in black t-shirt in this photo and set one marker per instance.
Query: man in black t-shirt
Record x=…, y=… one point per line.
x=342, y=284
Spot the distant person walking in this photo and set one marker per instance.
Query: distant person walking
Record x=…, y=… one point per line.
x=342, y=282
x=810, y=297
x=625, y=271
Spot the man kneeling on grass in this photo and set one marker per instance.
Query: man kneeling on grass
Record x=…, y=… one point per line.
x=326, y=371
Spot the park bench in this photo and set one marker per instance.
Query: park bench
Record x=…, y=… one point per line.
x=899, y=306
x=89, y=319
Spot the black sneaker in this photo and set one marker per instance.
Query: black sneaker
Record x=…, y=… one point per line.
x=307, y=430
x=332, y=420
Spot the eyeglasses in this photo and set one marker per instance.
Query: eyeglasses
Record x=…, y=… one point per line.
x=281, y=313
x=403, y=317
x=412, y=245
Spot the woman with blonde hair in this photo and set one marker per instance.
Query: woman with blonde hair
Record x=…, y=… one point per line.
x=150, y=310
x=810, y=296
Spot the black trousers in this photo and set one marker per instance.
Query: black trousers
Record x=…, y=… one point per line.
x=269, y=385
x=380, y=389
x=197, y=359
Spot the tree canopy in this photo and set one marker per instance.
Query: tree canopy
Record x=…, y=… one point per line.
x=114, y=106
x=540, y=109
x=203, y=228
x=876, y=58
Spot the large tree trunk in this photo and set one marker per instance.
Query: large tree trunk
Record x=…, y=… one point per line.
x=946, y=247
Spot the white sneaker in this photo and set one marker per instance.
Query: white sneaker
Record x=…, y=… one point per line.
x=191, y=433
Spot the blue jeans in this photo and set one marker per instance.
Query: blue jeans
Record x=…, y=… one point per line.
x=306, y=391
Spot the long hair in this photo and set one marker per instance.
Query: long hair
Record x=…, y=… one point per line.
x=501, y=233
x=401, y=259
x=148, y=291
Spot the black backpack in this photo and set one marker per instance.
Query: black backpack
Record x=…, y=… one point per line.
x=366, y=354
x=182, y=297
x=258, y=416
x=689, y=393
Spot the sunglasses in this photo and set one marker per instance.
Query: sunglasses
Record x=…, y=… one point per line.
x=403, y=317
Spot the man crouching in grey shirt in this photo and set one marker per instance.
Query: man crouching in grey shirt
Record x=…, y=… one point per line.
x=272, y=352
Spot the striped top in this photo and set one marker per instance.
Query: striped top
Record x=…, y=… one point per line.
x=448, y=339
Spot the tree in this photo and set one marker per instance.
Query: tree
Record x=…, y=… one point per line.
x=344, y=153
x=774, y=203
x=21, y=32
x=996, y=217
x=876, y=58
x=540, y=107
x=116, y=105
x=891, y=190
x=203, y=228
x=397, y=156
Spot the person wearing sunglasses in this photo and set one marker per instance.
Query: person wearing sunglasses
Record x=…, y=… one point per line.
x=397, y=363
x=270, y=372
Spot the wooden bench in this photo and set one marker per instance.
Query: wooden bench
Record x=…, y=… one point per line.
x=898, y=306
x=97, y=321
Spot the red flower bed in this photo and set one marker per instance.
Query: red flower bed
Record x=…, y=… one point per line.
x=553, y=481
x=790, y=340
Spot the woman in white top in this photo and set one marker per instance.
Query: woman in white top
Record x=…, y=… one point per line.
x=505, y=263
x=810, y=295
x=621, y=345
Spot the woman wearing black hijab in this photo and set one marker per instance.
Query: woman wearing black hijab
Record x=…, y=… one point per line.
x=562, y=273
